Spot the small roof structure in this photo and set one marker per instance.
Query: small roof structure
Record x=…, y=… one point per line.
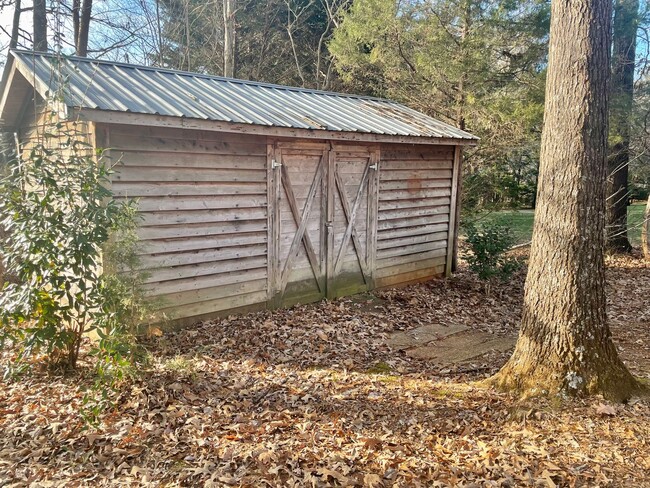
x=100, y=85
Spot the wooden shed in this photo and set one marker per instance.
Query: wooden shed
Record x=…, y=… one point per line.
x=255, y=195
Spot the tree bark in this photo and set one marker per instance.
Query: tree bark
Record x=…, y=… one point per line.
x=622, y=90
x=188, y=39
x=82, y=26
x=460, y=88
x=229, y=38
x=645, y=231
x=565, y=346
x=76, y=19
x=40, y=25
x=15, y=25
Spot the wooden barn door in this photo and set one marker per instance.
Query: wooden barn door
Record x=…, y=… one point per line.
x=297, y=254
x=322, y=225
x=352, y=203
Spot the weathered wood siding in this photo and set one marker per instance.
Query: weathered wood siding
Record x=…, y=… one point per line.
x=300, y=265
x=209, y=243
x=415, y=192
x=41, y=126
x=202, y=197
x=353, y=219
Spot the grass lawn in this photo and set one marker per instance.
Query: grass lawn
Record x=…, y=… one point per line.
x=521, y=222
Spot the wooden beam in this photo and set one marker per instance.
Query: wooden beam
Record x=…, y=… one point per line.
x=113, y=117
x=351, y=219
x=453, y=213
x=373, y=211
x=347, y=212
x=331, y=183
x=301, y=237
x=457, y=208
x=272, y=233
x=5, y=97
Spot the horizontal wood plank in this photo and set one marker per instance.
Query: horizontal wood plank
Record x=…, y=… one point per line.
x=419, y=193
x=398, y=233
x=145, y=174
x=203, y=256
x=412, y=212
x=400, y=151
x=217, y=305
x=415, y=276
x=204, y=269
x=205, y=281
x=411, y=249
x=425, y=174
x=199, y=230
x=207, y=202
x=188, y=145
x=410, y=258
x=184, y=160
x=146, y=189
x=416, y=164
x=212, y=293
x=414, y=184
x=411, y=240
x=168, y=133
x=202, y=216
x=413, y=221
x=413, y=203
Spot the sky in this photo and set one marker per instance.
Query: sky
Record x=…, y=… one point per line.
x=6, y=18
x=129, y=13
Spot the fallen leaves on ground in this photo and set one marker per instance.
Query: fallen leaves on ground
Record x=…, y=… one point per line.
x=312, y=396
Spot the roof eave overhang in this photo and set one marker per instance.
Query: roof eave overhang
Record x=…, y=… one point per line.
x=151, y=120
x=18, y=84
x=7, y=116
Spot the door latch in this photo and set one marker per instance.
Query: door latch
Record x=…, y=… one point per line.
x=275, y=164
x=374, y=166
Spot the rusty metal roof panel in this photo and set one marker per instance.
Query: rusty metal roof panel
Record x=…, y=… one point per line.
x=106, y=85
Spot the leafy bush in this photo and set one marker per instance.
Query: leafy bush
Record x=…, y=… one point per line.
x=488, y=245
x=58, y=214
x=125, y=307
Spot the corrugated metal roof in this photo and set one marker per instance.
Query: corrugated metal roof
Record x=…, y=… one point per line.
x=104, y=85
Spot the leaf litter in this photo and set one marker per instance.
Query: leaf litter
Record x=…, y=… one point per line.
x=312, y=396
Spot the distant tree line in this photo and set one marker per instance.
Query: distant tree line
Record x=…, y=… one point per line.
x=477, y=64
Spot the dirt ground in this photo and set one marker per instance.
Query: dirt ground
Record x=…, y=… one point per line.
x=314, y=396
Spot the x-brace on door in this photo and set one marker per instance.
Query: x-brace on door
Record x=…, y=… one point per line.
x=322, y=220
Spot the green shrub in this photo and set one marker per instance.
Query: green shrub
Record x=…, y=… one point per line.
x=488, y=245
x=59, y=214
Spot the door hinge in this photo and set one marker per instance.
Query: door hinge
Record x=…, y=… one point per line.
x=275, y=164
x=374, y=166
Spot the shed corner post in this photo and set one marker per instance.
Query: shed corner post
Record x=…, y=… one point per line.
x=273, y=223
x=373, y=214
x=329, y=220
x=454, y=213
x=98, y=136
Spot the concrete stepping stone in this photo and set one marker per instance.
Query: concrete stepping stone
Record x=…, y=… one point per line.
x=422, y=335
x=462, y=347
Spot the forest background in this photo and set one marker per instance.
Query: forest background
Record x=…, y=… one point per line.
x=478, y=65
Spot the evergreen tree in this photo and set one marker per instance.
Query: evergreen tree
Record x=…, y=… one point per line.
x=476, y=64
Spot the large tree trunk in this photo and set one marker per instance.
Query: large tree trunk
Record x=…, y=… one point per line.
x=15, y=26
x=565, y=346
x=645, y=231
x=622, y=89
x=81, y=14
x=40, y=25
x=76, y=19
x=229, y=37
